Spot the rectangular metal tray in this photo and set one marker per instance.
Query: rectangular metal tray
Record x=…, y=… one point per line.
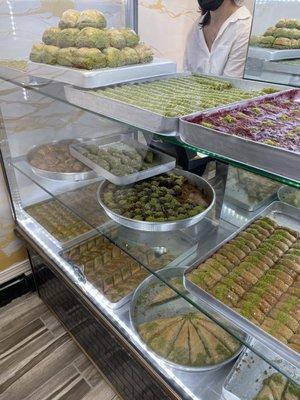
x=14, y=74
x=284, y=215
x=272, y=159
x=101, y=77
x=139, y=117
x=184, y=257
x=59, y=176
x=165, y=163
x=63, y=244
x=246, y=377
x=272, y=54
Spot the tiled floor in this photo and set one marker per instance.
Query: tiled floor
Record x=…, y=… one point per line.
x=39, y=360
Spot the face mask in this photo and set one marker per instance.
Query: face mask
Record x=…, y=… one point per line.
x=210, y=5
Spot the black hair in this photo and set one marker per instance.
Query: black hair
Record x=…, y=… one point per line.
x=206, y=14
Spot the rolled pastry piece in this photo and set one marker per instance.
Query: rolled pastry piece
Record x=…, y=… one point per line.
x=93, y=38
x=91, y=18
x=288, y=23
x=144, y=52
x=270, y=31
x=255, y=40
x=132, y=39
x=163, y=342
x=198, y=353
x=68, y=37
x=66, y=56
x=282, y=23
x=114, y=57
x=180, y=353
x=116, y=38
x=69, y=19
x=282, y=43
x=37, y=52
x=295, y=44
x=273, y=388
x=51, y=35
x=49, y=54
x=282, y=32
x=86, y=58
x=295, y=34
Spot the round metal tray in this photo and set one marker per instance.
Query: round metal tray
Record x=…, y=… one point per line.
x=286, y=190
x=199, y=182
x=140, y=313
x=59, y=176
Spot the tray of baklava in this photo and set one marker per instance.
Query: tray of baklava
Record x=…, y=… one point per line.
x=253, y=280
x=65, y=219
x=176, y=331
x=262, y=132
x=116, y=266
x=83, y=202
x=121, y=160
x=54, y=161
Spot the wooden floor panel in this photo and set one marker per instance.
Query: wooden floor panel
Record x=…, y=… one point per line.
x=39, y=360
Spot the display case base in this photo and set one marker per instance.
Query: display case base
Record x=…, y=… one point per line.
x=129, y=378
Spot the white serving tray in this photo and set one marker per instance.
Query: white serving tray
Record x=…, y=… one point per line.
x=267, y=54
x=101, y=77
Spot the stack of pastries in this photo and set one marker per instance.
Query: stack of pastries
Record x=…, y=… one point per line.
x=82, y=40
x=257, y=274
x=284, y=35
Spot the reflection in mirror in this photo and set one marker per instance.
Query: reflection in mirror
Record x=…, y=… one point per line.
x=274, y=50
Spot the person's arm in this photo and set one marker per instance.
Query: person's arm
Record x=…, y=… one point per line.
x=187, y=67
x=237, y=57
x=191, y=54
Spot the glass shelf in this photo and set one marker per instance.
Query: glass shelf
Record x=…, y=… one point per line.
x=152, y=251
x=37, y=111
x=285, y=181
x=56, y=91
x=180, y=248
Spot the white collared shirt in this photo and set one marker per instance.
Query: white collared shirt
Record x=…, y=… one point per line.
x=228, y=53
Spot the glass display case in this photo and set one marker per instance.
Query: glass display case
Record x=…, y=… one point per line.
x=178, y=277
x=274, y=52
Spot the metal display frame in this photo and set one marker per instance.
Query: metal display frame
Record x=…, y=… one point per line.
x=105, y=334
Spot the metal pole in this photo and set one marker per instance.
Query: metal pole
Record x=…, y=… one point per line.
x=131, y=14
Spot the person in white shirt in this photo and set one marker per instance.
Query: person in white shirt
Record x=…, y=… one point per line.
x=218, y=41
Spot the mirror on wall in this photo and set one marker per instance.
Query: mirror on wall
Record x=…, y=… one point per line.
x=274, y=47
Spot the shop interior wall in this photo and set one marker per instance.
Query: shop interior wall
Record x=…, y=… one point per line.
x=22, y=23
